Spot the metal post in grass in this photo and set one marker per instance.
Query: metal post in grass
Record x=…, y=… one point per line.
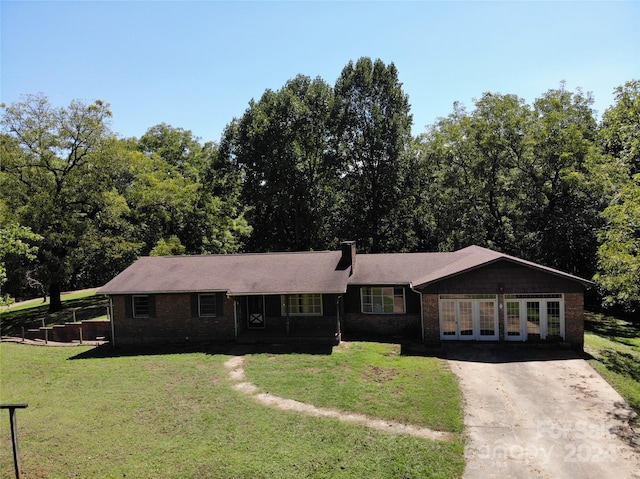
x=14, y=433
x=80, y=329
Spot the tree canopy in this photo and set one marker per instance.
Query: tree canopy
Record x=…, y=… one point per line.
x=309, y=165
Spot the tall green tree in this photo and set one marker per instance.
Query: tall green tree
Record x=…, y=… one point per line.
x=527, y=180
x=15, y=240
x=372, y=139
x=185, y=194
x=619, y=132
x=281, y=146
x=562, y=202
x=49, y=180
x=471, y=160
x=619, y=252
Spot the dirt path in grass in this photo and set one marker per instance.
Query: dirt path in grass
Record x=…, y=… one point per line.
x=236, y=375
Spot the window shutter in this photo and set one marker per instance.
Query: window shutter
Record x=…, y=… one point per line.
x=152, y=306
x=128, y=307
x=194, y=305
x=219, y=304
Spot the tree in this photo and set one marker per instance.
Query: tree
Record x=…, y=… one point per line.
x=49, y=179
x=281, y=146
x=471, y=159
x=184, y=191
x=372, y=136
x=562, y=201
x=176, y=146
x=619, y=254
x=15, y=240
x=526, y=180
x=620, y=129
x=169, y=247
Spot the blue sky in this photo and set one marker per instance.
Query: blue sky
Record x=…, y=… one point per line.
x=196, y=65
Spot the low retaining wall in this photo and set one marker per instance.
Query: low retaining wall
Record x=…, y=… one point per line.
x=70, y=332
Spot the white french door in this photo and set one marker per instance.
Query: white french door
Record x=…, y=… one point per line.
x=469, y=317
x=530, y=316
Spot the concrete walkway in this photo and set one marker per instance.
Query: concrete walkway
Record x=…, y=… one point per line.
x=541, y=413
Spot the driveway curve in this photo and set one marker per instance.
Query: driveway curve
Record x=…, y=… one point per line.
x=541, y=413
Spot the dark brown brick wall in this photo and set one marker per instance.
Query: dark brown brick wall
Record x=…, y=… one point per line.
x=574, y=319
x=505, y=277
x=173, y=321
x=431, y=322
x=406, y=326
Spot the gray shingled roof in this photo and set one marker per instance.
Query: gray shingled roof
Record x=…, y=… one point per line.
x=419, y=269
x=304, y=272
x=266, y=273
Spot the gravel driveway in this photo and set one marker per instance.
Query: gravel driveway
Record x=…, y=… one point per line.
x=541, y=413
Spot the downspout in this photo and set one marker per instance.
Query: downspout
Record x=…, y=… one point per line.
x=338, y=329
x=235, y=318
x=421, y=310
x=113, y=331
x=286, y=302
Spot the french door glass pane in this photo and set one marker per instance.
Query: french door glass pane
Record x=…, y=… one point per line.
x=448, y=318
x=513, y=318
x=553, y=318
x=533, y=317
x=466, y=318
x=487, y=318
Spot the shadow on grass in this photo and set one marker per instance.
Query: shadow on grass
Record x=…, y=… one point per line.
x=231, y=349
x=622, y=363
x=88, y=307
x=611, y=327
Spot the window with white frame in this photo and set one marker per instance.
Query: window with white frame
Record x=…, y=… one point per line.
x=307, y=304
x=382, y=299
x=206, y=305
x=140, y=306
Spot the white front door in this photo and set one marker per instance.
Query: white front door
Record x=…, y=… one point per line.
x=466, y=317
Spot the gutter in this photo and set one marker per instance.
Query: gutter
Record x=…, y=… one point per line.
x=235, y=318
x=113, y=331
x=421, y=310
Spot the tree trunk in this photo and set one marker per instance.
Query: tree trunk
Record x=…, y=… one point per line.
x=55, y=303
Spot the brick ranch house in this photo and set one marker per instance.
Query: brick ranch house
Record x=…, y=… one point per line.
x=474, y=294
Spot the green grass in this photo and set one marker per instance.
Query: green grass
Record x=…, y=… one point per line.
x=614, y=347
x=177, y=416
x=33, y=313
x=371, y=378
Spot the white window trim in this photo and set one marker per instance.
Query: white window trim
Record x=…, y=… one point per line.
x=215, y=299
x=285, y=302
x=404, y=299
x=133, y=306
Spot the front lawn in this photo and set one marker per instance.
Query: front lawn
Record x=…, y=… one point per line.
x=177, y=416
x=614, y=346
x=372, y=378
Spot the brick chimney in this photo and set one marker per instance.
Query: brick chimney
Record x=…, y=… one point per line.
x=348, y=258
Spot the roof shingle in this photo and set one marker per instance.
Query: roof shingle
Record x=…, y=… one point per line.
x=302, y=272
